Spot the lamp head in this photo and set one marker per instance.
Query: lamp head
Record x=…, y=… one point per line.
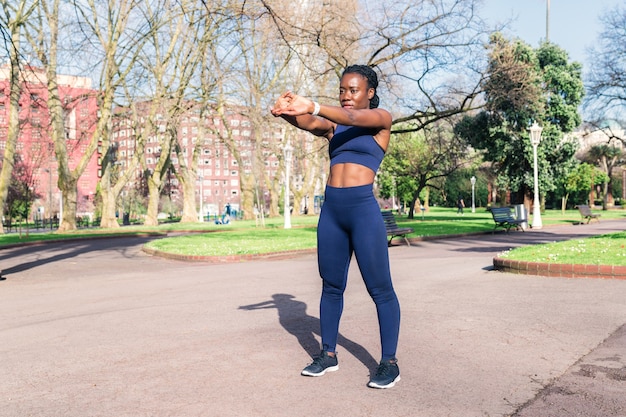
x=535, y=134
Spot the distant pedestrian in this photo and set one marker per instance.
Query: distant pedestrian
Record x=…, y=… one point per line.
x=459, y=205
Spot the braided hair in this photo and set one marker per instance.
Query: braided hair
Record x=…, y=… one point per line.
x=372, y=80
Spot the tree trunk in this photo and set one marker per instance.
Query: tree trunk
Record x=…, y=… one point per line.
x=605, y=196
x=190, y=213
x=13, y=128
x=153, y=202
x=416, y=196
x=109, y=206
x=247, y=196
x=274, y=192
x=69, y=196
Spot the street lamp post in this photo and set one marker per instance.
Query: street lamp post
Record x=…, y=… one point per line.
x=49, y=171
x=473, y=181
x=201, y=210
x=288, y=150
x=535, y=138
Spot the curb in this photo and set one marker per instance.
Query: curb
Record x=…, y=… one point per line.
x=80, y=239
x=560, y=270
x=229, y=258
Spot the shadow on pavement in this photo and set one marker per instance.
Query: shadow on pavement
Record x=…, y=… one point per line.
x=293, y=317
x=50, y=252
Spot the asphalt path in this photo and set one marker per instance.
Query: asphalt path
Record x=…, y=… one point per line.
x=100, y=328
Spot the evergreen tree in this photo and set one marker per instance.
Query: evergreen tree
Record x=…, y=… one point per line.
x=523, y=86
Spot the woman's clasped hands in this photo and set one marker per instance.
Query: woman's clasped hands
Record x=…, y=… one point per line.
x=290, y=104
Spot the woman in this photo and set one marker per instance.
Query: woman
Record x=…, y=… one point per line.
x=351, y=220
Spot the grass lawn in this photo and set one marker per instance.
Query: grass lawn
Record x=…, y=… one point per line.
x=597, y=250
x=246, y=237
x=238, y=242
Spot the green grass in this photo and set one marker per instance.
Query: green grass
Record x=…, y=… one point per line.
x=244, y=237
x=597, y=250
x=238, y=242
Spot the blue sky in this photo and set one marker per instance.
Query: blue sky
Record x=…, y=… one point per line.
x=574, y=24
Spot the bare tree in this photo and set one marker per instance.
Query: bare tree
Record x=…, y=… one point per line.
x=45, y=41
x=206, y=89
x=13, y=20
x=112, y=34
x=416, y=46
x=98, y=30
x=605, y=80
x=170, y=65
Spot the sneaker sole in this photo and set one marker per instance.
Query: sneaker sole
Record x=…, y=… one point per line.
x=389, y=385
x=329, y=369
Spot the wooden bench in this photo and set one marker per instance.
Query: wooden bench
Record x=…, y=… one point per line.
x=503, y=217
x=393, y=230
x=7, y=225
x=585, y=213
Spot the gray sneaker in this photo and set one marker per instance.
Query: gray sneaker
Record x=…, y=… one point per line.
x=387, y=374
x=322, y=364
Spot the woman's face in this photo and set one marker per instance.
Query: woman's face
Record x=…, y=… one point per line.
x=353, y=92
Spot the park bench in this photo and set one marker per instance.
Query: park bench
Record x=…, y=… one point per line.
x=7, y=225
x=393, y=230
x=503, y=217
x=585, y=213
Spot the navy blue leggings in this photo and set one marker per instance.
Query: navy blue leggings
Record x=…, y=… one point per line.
x=351, y=221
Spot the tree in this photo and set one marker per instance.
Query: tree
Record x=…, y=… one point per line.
x=95, y=38
x=13, y=19
x=169, y=63
x=112, y=35
x=45, y=43
x=415, y=45
x=607, y=157
x=526, y=85
x=580, y=181
x=20, y=195
x=416, y=161
x=605, y=81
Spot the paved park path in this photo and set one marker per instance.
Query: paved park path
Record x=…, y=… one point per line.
x=99, y=328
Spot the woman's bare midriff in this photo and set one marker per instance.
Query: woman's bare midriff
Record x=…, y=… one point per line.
x=350, y=175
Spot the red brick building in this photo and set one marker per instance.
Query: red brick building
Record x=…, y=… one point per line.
x=218, y=169
x=34, y=145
